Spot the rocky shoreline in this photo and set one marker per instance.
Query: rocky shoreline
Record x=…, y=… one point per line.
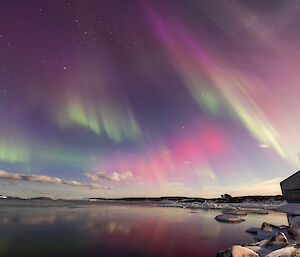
x=272, y=241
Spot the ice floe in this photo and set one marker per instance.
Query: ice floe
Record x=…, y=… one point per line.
x=228, y=218
x=235, y=212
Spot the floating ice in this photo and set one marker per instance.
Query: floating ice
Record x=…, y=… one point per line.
x=228, y=218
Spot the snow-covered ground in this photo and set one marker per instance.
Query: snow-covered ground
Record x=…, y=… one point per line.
x=253, y=207
x=290, y=208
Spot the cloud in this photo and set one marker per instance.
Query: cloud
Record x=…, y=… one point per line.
x=47, y=179
x=114, y=176
x=263, y=146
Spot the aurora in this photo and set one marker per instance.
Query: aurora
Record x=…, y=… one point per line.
x=148, y=98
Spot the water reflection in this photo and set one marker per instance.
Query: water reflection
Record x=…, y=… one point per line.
x=119, y=230
x=31, y=220
x=111, y=227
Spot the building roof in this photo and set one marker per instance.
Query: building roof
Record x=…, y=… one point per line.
x=288, y=178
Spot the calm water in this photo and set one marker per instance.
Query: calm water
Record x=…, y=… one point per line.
x=45, y=228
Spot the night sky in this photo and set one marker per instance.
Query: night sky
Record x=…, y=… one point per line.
x=148, y=98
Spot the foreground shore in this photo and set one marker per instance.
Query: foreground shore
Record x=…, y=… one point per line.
x=271, y=240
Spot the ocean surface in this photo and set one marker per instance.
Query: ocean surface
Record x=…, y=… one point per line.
x=63, y=228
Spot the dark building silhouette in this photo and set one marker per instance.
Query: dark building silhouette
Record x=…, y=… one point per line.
x=290, y=188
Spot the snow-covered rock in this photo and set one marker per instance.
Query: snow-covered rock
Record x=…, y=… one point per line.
x=288, y=251
x=278, y=239
x=238, y=251
x=276, y=242
x=268, y=230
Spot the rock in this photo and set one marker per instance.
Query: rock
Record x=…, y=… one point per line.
x=228, y=218
x=268, y=227
x=294, y=232
x=253, y=230
x=259, y=247
x=238, y=251
x=288, y=251
x=278, y=240
x=265, y=234
x=275, y=243
x=268, y=230
x=294, y=220
x=226, y=253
